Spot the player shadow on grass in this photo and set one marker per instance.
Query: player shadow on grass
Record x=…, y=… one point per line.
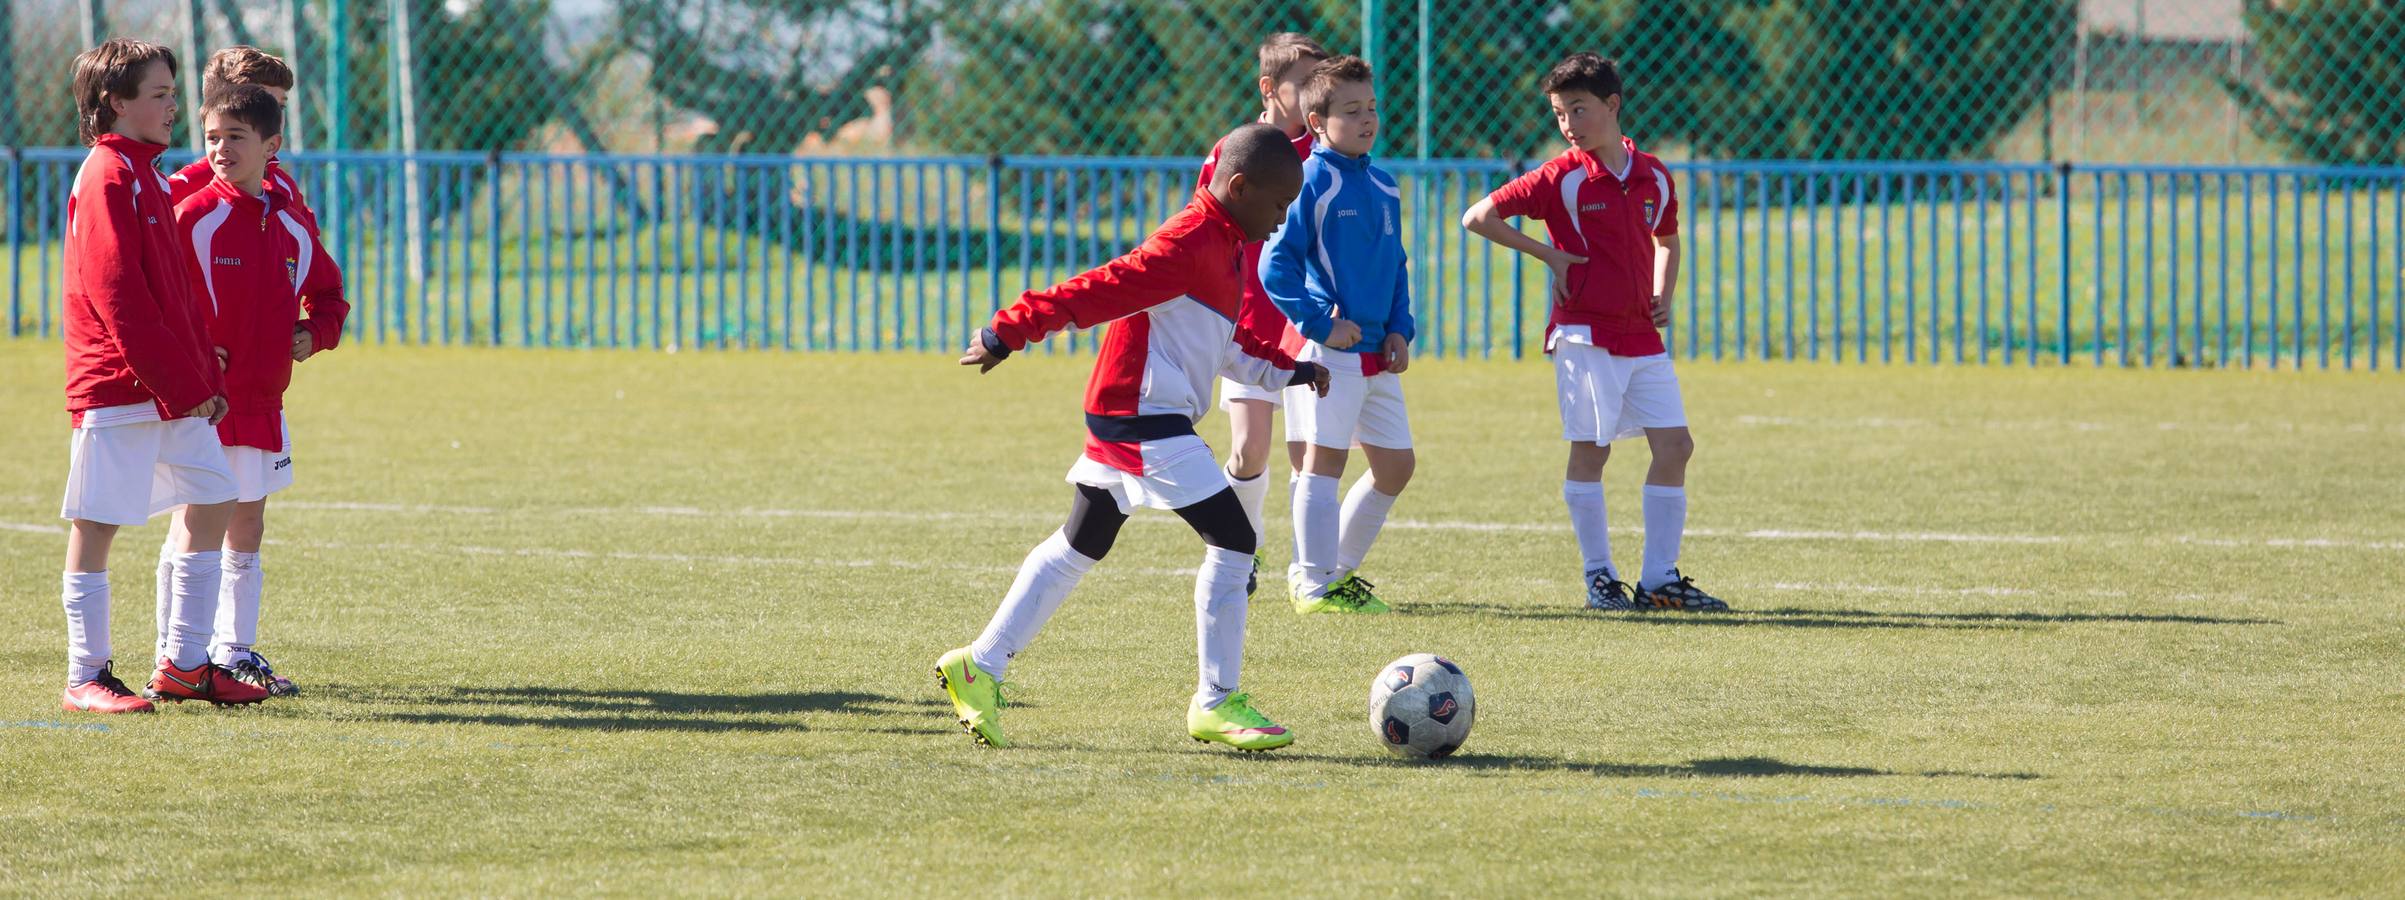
x=1716, y=767
x=2035, y=617
x=1804, y=617
x=637, y=710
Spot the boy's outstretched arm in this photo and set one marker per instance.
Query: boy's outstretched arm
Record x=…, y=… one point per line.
x=1483, y=220
x=1262, y=364
x=1150, y=275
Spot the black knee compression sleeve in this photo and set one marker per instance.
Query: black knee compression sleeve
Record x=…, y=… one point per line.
x=1222, y=523
x=1094, y=520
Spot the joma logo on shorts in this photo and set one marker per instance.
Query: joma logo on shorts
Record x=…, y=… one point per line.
x=283, y=464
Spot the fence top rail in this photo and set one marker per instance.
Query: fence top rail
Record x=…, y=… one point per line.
x=1181, y=163
x=1861, y=167
x=2361, y=173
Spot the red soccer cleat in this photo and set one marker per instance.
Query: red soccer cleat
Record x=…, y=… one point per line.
x=103, y=694
x=207, y=682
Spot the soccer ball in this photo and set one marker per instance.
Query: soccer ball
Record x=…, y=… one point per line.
x=1420, y=706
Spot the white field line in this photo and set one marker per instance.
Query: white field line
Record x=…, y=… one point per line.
x=924, y=565
x=2072, y=425
x=806, y=562
x=1755, y=534
x=716, y=559
x=1457, y=526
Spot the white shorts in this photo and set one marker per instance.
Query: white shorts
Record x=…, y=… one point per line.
x=125, y=474
x=1178, y=472
x=258, y=473
x=1231, y=390
x=1357, y=409
x=1605, y=398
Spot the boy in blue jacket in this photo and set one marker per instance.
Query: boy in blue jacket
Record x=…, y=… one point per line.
x=1336, y=268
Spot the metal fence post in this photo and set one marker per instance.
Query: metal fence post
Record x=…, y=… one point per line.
x=2062, y=257
x=16, y=243
x=492, y=239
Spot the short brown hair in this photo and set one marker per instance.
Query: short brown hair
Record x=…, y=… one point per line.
x=248, y=104
x=1327, y=75
x=1283, y=49
x=113, y=69
x=243, y=64
x=1584, y=72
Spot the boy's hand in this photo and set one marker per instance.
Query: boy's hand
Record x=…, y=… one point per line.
x=1560, y=261
x=986, y=351
x=1397, y=352
x=1661, y=310
x=304, y=345
x=214, y=411
x=1312, y=374
x=977, y=356
x=1343, y=334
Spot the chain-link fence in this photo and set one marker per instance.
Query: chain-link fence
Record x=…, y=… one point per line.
x=2204, y=81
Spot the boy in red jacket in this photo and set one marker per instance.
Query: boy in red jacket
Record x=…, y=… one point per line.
x=1612, y=215
x=258, y=267
x=257, y=68
x=1172, y=305
x=143, y=386
x=1286, y=61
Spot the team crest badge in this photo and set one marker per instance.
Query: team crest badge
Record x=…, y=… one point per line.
x=1649, y=209
x=292, y=270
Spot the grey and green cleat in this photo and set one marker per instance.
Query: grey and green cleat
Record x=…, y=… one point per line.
x=1236, y=723
x=1349, y=594
x=976, y=696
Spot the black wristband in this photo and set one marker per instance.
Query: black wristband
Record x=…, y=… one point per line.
x=1304, y=373
x=994, y=346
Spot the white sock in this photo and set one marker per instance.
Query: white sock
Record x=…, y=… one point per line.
x=237, y=607
x=1295, y=540
x=1665, y=524
x=1252, y=492
x=158, y=647
x=1365, y=510
x=1219, y=607
x=86, y=597
x=1317, y=511
x=197, y=578
x=1587, y=518
x=1045, y=579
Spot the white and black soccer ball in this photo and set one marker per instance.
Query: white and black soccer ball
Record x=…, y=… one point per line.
x=1420, y=706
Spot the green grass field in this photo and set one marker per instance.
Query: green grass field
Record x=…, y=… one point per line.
x=576, y=622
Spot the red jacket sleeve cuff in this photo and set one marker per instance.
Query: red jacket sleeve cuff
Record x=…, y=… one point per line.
x=325, y=330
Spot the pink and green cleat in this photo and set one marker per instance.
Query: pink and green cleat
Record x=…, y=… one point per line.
x=976, y=696
x=1236, y=723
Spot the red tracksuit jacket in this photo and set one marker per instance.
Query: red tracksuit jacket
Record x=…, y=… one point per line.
x=259, y=266
x=1171, y=304
x=196, y=176
x=1612, y=220
x=135, y=332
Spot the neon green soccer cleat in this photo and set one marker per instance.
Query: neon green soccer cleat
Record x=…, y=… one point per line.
x=1236, y=723
x=976, y=696
x=1349, y=594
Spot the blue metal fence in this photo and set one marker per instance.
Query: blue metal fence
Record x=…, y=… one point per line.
x=1954, y=263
